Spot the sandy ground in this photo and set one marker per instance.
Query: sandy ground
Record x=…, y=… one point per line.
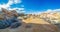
x=33, y=25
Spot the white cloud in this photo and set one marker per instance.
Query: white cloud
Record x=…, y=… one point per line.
x=47, y=11
x=11, y=2
x=19, y=10
x=50, y=10
x=17, y=1
x=16, y=8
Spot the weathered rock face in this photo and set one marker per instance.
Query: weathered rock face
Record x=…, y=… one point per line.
x=9, y=13
x=30, y=24
x=9, y=19
x=53, y=18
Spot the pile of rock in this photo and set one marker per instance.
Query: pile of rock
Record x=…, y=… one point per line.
x=9, y=19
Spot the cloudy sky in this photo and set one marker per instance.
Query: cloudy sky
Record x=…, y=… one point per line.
x=31, y=6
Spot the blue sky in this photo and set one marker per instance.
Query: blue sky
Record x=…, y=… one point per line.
x=31, y=6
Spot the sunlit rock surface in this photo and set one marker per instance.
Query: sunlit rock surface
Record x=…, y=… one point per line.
x=11, y=22
x=9, y=19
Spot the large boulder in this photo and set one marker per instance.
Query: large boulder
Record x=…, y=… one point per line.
x=9, y=19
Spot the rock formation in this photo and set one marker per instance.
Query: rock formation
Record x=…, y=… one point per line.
x=8, y=18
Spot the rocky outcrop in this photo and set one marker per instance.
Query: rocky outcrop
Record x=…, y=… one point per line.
x=10, y=23
x=9, y=19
